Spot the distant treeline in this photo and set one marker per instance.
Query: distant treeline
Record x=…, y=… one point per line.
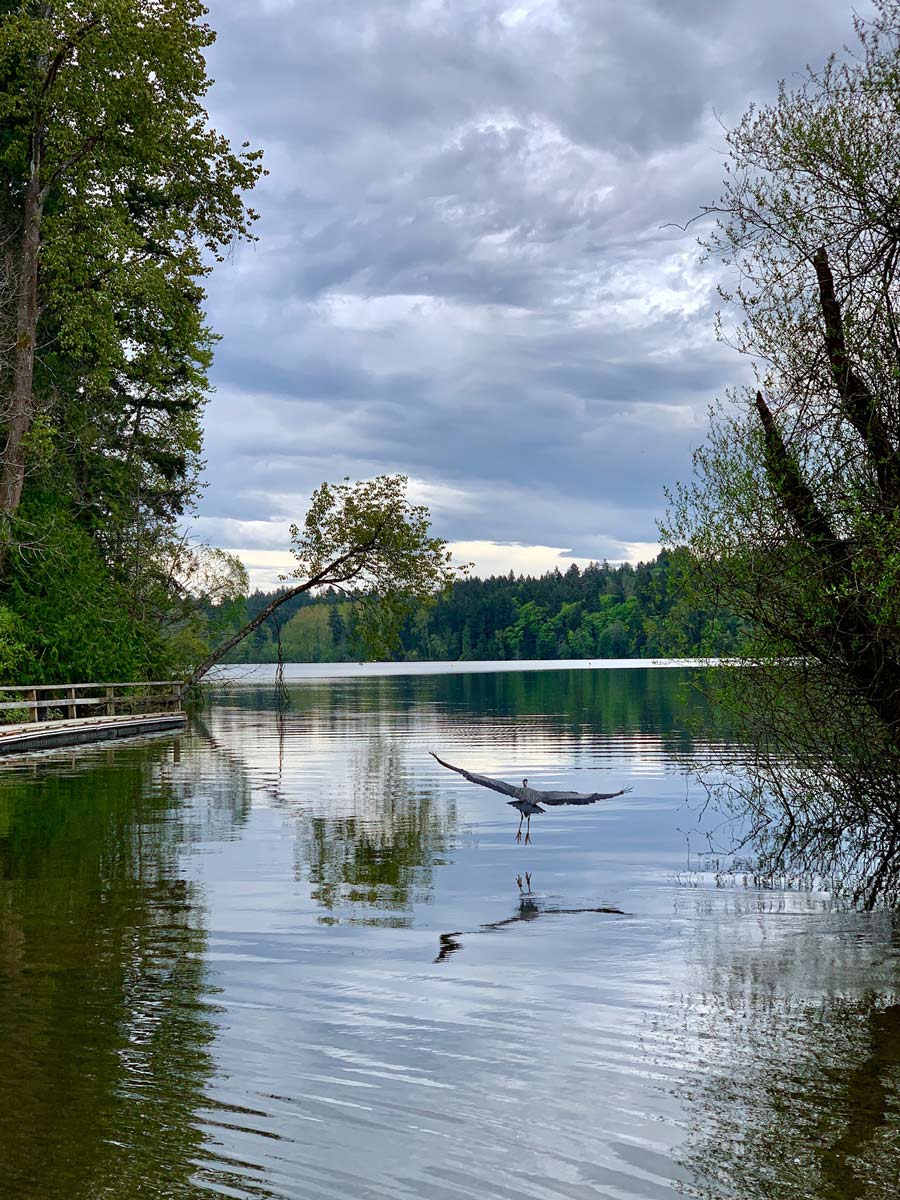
x=600, y=611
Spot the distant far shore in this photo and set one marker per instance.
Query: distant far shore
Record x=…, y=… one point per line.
x=263, y=673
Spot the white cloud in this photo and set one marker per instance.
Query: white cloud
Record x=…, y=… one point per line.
x=636, y=552
x=489, y=558
x=260, y=536
x=264, y=566
x=496, y=558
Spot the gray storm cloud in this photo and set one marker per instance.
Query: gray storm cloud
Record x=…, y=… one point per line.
x=467, y=269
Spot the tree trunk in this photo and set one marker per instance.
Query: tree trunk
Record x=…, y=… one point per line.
x=220, y=651
x=21, y=401
x=856, y=639
x=341, y=570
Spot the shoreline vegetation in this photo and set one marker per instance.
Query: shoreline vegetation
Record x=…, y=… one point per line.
x=792, y=513
x=117, y=197
x=602, y=611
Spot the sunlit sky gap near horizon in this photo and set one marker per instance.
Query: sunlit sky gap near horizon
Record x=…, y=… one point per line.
x=468, y=270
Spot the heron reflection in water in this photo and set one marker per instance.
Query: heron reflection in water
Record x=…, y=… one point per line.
x=530, y=908
x=528, y=800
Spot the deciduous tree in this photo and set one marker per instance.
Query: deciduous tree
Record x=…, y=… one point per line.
x=793, y=516
x=365, y=539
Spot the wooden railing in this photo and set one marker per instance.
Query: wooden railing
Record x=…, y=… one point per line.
x=68, y=701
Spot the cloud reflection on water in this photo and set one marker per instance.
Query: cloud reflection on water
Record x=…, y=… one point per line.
x=217, y=966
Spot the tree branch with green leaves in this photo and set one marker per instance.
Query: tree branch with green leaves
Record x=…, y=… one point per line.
x=368, y=540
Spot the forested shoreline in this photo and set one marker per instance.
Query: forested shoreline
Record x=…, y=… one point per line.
x=600, y=611
x=116, y=199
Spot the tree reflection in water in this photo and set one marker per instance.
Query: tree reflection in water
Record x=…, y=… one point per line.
x=105, y=1016
x=371, y=854
x=794, y=1089
x=368, y=834
x=568, y=702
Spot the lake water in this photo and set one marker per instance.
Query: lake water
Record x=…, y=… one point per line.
x=287, y=955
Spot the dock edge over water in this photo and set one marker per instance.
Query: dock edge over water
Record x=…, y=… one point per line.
x=39, y=735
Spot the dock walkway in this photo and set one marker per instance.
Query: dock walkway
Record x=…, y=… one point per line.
x=41, y=735
x=54, y=712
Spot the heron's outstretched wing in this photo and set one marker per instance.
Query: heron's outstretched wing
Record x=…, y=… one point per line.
x=579, y=797
x=496, y=785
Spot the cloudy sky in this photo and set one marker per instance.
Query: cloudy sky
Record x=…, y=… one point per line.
x=464, y=271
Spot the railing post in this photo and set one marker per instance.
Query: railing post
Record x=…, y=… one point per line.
x=67, y=701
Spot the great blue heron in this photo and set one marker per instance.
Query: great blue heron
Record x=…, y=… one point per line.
x=528, y=800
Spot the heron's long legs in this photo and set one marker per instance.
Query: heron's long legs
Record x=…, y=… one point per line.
x=519, y=834
x=528, y=831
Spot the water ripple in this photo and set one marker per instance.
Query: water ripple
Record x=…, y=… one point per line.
x=287, y=955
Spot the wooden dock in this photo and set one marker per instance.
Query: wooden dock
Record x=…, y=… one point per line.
x=52, y=713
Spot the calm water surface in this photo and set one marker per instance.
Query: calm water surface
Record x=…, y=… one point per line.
x=287, y=955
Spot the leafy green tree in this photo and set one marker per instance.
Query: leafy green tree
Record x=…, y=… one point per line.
x=336, y=626
x=792, y=520
x=115, y=198
x=366, y=540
